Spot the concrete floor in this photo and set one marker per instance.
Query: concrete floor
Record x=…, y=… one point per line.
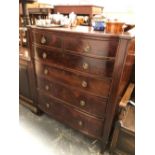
x=46, y=136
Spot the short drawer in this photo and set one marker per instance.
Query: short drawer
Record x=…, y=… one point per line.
x=47, y=38
x=83, y=101
x=76, y=119
x=103, y=48
x=81, y=63
x=100, y=87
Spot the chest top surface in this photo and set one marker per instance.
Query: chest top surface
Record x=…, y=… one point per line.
x=86, y=30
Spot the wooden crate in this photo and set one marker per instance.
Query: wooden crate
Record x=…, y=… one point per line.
x=123, y=139
x=39, y=5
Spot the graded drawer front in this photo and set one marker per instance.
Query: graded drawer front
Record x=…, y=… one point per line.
x=47, y=38
x=80, y=63
x=105, y=48
x=96, y=86
x=83, y=101
x=83, y=122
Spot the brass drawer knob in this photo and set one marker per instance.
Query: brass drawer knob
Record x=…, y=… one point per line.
x=82, y=103
x=85, y=66
x=43, y=40
x=80, y=123
x=46, y=71
x=87, y=48
x=47, y=87
x=84, y=84
x=47, y=105
x=44, y=55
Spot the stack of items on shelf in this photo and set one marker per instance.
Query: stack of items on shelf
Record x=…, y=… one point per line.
x=56, y=20
x=38, y=11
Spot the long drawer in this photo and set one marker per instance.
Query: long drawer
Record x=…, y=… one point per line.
x=47, y=38
x=102, y=48
x=76, y=119
x=100, y=87
x=106, y=47
x=81, y=63
x=83, y=101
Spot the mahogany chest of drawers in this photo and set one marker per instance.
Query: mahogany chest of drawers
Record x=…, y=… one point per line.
x=81, y=75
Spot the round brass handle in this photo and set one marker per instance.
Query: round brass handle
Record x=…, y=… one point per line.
x=47, y=87
x=46, y=71
x=43, y=40
x=47, y=105
x=84, y=84
x=85, y=66
x=82, y=103
x=44, y=55
x=87, y=48
x=80, y=123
